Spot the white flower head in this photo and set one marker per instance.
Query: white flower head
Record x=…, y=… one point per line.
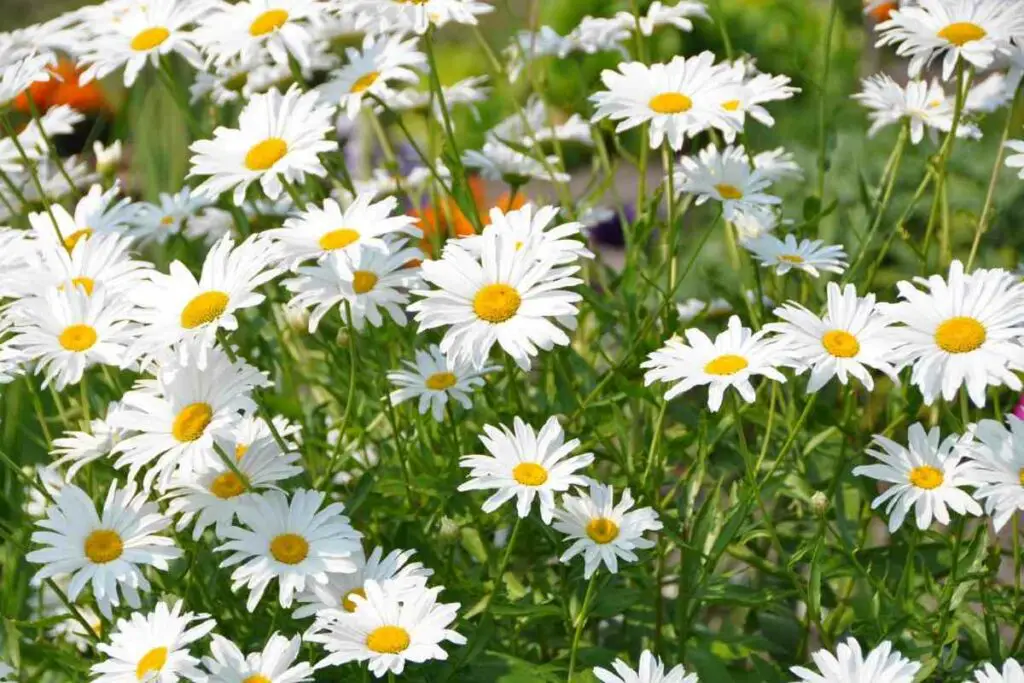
x=650, y=669
x=399, y=16
x=924, y=106
x=434, y=378
x=997, y=468
x=849, y=665
x=274, y=664
x=244, y=31
x=1016, y=161
x=726, y=176
x=371, y=70
x=809, y=256
x=531, y=228
x=497, y=161
x=1012, y=673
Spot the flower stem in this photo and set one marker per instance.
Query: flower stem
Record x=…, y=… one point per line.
x=581, y=621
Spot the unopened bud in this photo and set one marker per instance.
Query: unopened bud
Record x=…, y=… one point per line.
x=819, y=503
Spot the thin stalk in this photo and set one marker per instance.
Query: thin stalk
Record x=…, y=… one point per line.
x=581, y=621
x=92, y=635
x=56, y=156
x=349, y=396
x=823, y=100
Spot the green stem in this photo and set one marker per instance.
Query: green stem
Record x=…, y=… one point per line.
x=823, y=100
x=581, y=621
x=349, y=396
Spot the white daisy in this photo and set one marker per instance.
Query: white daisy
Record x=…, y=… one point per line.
x=66, y=332
x=145, y=34
x=278, y=137
x=96, y=213
x=317, y=232
x=401, y=16
x=499, y=162
x=370, y=70
x=1016, y=160
x=252, y=428
x=650, y=670
x=153, y=647
x=604, y=531
x=809, y=256
x=997, y=468
x=241, y=32
x=849, y=665
x=850, y=338
x=535, y=125
x=293, y=541
x=525, y=465
x=433, y=378
x=1012, y=673
x=82, y=448
x=108, y=157
x=508, y=297
x=107, y=550
x=731, y=360
x=660, y=14
x=176, y=308
x=49, y=478
x=926, y=477
x=274, y=664
x=19, y=74
x=974, y=30
x=175, y=416
x=530, y=228
x=214, y=495
x=679, y=99
x=158, y=222
x=778, y=164
x=388, y=628
x=59, y=120
x=725, y=176
x=600, y=34
x=919, y=103
x=394, y=570
x=961, y=331
x=756, y=89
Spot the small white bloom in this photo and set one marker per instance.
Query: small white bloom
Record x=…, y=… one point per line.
x=726, y=176
x=497, y=161
x=1012, y=673
x=809, y=256
x=274, y=664
x=1016, y=160
x=370, y=70
x=997, y=468
x=649, y=670
x=849, y=665
x=433, y=378
x=530, y=228
x=82, y=448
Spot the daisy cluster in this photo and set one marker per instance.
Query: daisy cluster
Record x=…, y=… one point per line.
x=175, y=339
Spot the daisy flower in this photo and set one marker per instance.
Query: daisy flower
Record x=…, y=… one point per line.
x=176, y=308
x=317, y=232
x=175, y=416
x=292, y=541
x=926, y=477
x=756, y=89
x=154, y=647
x=679, y=99
x=97, y=212
x=1012, y=673
x=952, y=29
x=810, y=256
x=400, y=16
x=730, y=361
x=66, y=332
x=143, y=35
x=107, y=550
x=366, y=280
x=50, y=480
x=850, y=338
x=252, y=428
x=920, y=104
x=214, y=495
x=849, y=665
x=997, y=468
x=433, y=378
x=778, y=164
x=394, y=571
x=369, y=71
x=275, y=664
x=158, y=222
x=526, y=465
x=279, y=138
x=81, y=448
x=600, y=34
x=531, y=228
x=59, y=120
x=499, y=162
x=507, y=297
x=725, y=176
x=388, y=628
x=241, y=32
x=602, y=531
x=650, y=670
x=963, y=330
x=534, y=125
x=660, y=14
x=1016, y=161
x=16, y=76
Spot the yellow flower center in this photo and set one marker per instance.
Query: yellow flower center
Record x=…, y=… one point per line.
x=365, y=81
x=440, y=381
x=167, y=220
x=530, y=474
x=271, y=20
x=263, y=155
x=338, y=239
x=257, y=678
x=602, y=530
x=926, y=477
x=226, y=485
x=670, y=103
x=153, y=660
x=496, y=303
x=204, y=308
x=960, y=335
x=86, y=283
x=103, y=545
x=148, y=39
x=1021, y=476
x=840, y=344
x=728, y=191
x=240, y=451
x=348, y=603
x=71, y=240
x=289, y=548
x=191, y=422
x=729, y=364
x=962, y=32
x=731, y=105
x=77, y=338
x=363, y=281
x=388, y=639
x=791, y=258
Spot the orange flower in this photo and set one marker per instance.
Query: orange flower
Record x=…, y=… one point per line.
x=882, y=12
x=64, y=88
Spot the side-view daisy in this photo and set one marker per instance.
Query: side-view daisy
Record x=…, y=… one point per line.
x=106, y=550
x=370, y=70
x=274, y=664
x=400, y=16
x=725, y=176
x=531, y=228
x=731, y=360
x=81, y=448
x=849, y=665
x=602, y=530
x=809, y=256
x=433, y=378
x=526, y=465
x=920, y=104
x=650, y=669
x=499, y=162
x=926, y=477
x=997, y=467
